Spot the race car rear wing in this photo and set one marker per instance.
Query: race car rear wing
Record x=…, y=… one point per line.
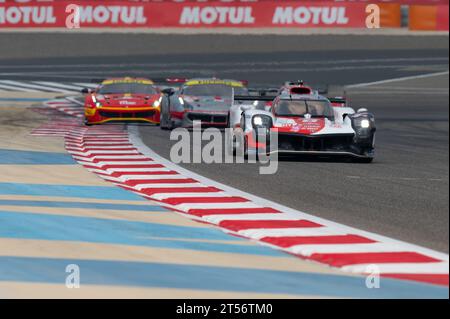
x=253, y=98
x=175, y=80
x=167, y=85
x=333, y=100
x=263, y=91
x=156, y=80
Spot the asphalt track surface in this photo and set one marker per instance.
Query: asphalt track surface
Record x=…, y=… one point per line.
x=403, y=194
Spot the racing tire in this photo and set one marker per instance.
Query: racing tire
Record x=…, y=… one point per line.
x=163, y=122
x=245, y=148
x=230, y=148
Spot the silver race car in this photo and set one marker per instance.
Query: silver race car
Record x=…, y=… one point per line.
x=204, y=100
x=304, y=121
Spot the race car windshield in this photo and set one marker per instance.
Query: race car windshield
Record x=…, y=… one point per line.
x=316, y=108
x=213, y=90
x=127, y=88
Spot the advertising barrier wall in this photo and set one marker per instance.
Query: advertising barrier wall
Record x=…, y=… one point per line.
x=192, y=14
x=429, y=17
x=425, y=14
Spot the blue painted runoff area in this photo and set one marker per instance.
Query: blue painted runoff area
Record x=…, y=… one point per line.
x=14, y=157
x=20, y=225
x=164, y=275
x=109, y=206
x=96, y=192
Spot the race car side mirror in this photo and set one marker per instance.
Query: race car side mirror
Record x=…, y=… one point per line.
x=168, y=91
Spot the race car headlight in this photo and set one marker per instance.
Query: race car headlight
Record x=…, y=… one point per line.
x=262, y=121
x=364, y=126
x=257, y=121
x=365, y=123
x=98, y=105
x=157, y=103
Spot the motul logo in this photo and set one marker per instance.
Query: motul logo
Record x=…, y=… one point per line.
x=123, y=15
x=310, y=15
x=27, y=15
x=112, y=14
x=217, y=15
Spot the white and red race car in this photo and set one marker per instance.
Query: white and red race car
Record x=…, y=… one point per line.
x=304, y=122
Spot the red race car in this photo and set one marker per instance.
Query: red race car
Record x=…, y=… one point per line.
x=123, y=100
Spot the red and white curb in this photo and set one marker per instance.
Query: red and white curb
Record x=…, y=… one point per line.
x=60, y=128
x=67, y=105
x=120, y=157
x=59, y=124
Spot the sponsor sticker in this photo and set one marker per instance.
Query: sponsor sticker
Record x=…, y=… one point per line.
x=212, y=82
x=126, y=81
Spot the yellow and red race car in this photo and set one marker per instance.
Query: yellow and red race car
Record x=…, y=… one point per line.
x=123, y=100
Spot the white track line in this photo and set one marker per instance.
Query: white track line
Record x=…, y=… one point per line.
x=129, y=170
x=70, y=88
x=206, y=206
x=97, y=148
x=34, y=86
x=168, y=185
x=127, y=178
x=87, y=85
x=74, y=100
x=216, y=219
x=101, y=152
x=100, y=157
x=93, y=143
x=100, y=164
x=163, y=196
x=291, y=232
x=15, y=88
x=308, y=250
x=422, y=76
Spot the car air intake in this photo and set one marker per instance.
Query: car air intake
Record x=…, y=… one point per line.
x=207, y=118
x=143, y=114
x=301, y=90
x=290, y=142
